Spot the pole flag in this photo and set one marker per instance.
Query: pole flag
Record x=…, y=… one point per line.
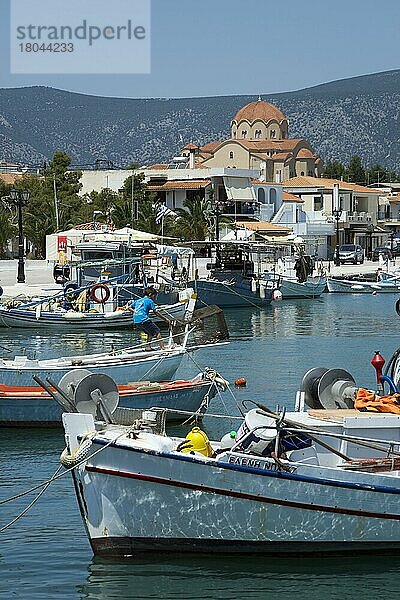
x=163, y=211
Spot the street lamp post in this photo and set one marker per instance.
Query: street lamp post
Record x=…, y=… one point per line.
x=20, y=198
x=337, y=213
x=370, y=230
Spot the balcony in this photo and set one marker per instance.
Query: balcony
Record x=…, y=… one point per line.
x=356, y=218
x=231, y=209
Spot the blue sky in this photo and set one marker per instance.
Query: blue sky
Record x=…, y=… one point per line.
x=217, y=47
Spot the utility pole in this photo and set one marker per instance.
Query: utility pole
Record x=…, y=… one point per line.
x=56, y=202
x=132, y=200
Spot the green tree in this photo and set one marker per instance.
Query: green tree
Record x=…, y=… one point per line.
x=40, y=214
x=334, y=170
x=66, y=185
x=122, y=212
x=355, y=170
x=378, y=174
x=103, y=201
x=193, y=221
x=8, y=230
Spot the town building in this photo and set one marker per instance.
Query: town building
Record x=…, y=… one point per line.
x=260, y=141
x=339, y=211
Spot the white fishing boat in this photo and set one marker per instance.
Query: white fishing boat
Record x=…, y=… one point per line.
x=129, y=364
x=277, y=485
x=37, y=317
x=313, y=287
x=352, y=286
x=298, y=277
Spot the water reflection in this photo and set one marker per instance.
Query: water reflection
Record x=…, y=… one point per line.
x=220, y=577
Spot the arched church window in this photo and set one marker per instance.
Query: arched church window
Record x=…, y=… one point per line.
x=244, y=133
x=257, y=134
x=261, y=195
x=230, y=154
x=272, y=134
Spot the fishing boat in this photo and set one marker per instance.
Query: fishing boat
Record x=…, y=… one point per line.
x=313, y=287
x=234, y=281
x=36, y=316
x=278, y=485
x=299, y=278
x=232, y=290
x=351, y=286
x=129, y=364
x=34, y=406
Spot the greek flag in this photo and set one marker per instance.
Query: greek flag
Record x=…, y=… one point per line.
x=163, y=211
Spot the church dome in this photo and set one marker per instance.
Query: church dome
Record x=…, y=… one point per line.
x=259, y=110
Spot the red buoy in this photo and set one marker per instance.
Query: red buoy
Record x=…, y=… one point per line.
x=241, y=382
x=377, y=362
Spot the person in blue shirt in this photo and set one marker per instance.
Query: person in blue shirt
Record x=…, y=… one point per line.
x=141, y=309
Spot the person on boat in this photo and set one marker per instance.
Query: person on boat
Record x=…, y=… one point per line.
x=141, y=309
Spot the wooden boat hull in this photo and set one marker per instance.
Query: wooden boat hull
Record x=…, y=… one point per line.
x=123, y=366
x=228, y=295
x=312, y=288
x=236, y=503
x=26, y=319
x=32, y=406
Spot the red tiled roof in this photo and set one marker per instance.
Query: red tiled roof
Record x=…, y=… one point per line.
x=91, y=226
x=263, y=226
x=158, y=166
x=210, y=147
x=305, y=153
x=282, y=156
x=177, y=185
x=322, y=182
x=287, y=197
x=259, y=111
x=10, y=178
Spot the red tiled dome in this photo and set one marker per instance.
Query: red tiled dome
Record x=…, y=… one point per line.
x=259, y=110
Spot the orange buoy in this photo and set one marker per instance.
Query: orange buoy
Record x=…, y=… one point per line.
x=241, y=382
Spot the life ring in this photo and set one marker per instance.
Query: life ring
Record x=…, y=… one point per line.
x=99, y=293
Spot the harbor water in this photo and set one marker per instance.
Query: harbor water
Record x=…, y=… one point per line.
x=46, y=555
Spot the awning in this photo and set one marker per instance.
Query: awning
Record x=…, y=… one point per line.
x=163, y=250
x=239, y=189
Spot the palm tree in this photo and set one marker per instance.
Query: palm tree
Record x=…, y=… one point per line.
x=193, y=221
x=7, y=231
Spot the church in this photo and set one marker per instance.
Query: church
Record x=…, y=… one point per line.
x=259, y=140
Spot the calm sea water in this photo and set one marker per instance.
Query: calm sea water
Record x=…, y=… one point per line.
x=46, y=554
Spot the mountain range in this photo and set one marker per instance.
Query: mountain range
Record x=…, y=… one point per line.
x=360, y=115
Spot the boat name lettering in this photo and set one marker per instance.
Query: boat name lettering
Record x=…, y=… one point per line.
x=256, y=463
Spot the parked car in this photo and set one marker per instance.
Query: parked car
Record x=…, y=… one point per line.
x=383, y=251
x=351, y=253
